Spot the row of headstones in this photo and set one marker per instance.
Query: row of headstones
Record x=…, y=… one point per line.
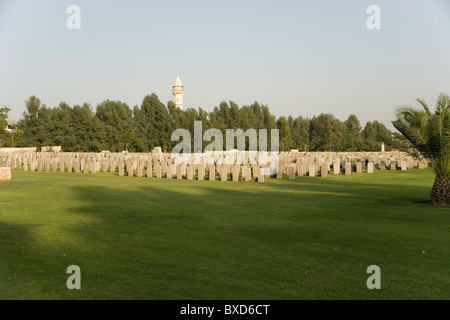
x=313, y=166
x=181, y=171
x=324, y=169
x=286, y=157
x=77, y=165
x=90, y=164
x=192, y=172
x=50, y=162
x=42, y=164
x=155, y=168
x=330, y=157
x=159, y=170
x=249, y=158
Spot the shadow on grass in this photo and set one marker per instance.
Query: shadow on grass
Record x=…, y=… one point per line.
x=168, y=239
x=17, y=253
x=426, y=202
x=182, y=239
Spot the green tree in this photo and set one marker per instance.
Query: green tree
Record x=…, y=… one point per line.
x=268, y=120
x=3, y=124
x=129, y=138
x=234, y=120
x=3, y=115
x=257, y=116
x=351, y=134
x=152, y=124
x=88, y=129
x=176, y=115
x=36, y=124
x=220, y=118
x=428, y=135
x=299, y=128
x=373, y=135
x=62, y=127
x=117, y=120
x=13, y=138
x=325, y=133
x=284, y=134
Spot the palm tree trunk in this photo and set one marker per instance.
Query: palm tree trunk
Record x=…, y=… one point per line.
x=440, y=194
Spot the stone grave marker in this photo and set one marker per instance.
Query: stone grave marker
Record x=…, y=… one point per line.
x=348, y=168
x=324, y=170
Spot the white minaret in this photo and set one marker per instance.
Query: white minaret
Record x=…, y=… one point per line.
x=178, y=92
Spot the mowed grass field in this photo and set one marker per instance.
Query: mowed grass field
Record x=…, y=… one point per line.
x=141, y=238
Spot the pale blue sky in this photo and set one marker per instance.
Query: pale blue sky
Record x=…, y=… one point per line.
x=299, y=57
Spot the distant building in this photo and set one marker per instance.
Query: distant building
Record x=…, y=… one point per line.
x=178, y=92
x=11, y=125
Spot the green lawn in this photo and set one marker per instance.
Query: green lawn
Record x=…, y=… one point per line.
x=141, y=238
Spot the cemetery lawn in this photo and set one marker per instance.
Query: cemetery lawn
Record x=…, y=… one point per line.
x=141, y=238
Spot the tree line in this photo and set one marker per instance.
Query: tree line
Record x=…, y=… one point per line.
x=114, y=126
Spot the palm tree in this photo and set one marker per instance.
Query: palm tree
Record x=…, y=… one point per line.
x=428, y=136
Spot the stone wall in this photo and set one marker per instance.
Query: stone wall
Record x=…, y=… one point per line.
x=31, y=149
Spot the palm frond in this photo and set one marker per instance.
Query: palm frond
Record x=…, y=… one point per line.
x=427, y=134
x=424, y=105
x=442, y=103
